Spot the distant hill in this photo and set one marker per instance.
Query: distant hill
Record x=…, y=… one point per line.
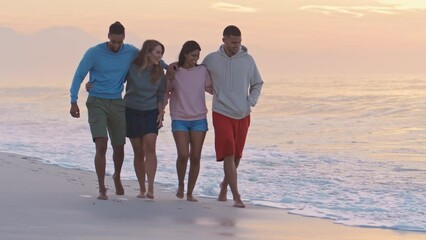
x=51, y=54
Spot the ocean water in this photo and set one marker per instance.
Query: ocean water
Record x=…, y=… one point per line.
x=349, y=149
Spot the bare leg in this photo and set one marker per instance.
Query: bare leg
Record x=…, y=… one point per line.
x=100, y=165
x=224, y=183
x=223, y=190
x=118, y=157
x=197, y=141
x=182, y=147
x=149, y=142
x=230, y=170
x=139, y=164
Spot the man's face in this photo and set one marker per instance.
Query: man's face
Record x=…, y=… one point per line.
x=115, y=41
x=232, y=44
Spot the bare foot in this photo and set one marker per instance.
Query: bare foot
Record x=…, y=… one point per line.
x=150, y=195
x=238, y=203
x=119, y=190
x=191, y=198
x=141, y=195
x=179, y=193
x=103, y=195
x=222, y=194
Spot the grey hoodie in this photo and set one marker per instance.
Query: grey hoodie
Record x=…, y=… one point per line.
x=236, y=82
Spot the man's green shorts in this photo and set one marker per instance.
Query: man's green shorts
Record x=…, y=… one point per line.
x=107, y=116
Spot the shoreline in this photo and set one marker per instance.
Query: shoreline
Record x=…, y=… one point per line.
x=44, y=201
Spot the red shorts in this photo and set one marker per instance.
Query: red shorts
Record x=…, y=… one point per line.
x=230, y=135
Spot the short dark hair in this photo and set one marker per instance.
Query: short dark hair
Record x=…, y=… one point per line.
x=187, y=47
x=116, y=28
x=231, y=30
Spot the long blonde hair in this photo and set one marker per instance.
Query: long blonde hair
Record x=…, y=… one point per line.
x=141, y=59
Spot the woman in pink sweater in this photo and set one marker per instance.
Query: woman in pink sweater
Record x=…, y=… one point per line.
x=188, y=113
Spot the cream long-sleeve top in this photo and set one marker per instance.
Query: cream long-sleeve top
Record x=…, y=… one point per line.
x=186, y=93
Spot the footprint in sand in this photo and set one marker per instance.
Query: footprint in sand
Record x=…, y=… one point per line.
x=120, y=199
x=86, y=196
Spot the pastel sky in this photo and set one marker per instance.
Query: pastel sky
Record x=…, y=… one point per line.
x=371, y=36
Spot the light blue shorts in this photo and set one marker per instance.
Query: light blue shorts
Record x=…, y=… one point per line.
x=190, y=126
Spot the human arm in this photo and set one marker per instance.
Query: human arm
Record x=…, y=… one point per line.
x=163, y=64
x=89, y=85
x=169, y=89
x=83, y=69
x=170, y=76
x=161, y=92
x=75, y=110
x=256, y=84
x=171, y=68
x=208, y=83
x=161, y=112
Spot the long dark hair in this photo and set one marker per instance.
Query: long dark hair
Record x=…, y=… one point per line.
x=187, y=47
x=141, y=59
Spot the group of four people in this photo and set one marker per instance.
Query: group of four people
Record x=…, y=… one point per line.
x=230, y=74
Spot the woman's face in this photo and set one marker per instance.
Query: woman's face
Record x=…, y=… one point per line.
x=155, y=55
x=191, y=58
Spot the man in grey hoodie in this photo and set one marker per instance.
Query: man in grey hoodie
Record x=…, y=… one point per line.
x=237, y=85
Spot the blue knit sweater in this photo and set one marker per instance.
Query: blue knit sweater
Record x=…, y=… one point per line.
x=107, y=69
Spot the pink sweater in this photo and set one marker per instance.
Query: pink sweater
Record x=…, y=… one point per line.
x=186, y=93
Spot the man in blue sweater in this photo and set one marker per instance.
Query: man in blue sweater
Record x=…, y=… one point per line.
x=108, y=64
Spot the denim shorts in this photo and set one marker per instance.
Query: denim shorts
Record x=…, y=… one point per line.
x=140, y=123
x=188, y=126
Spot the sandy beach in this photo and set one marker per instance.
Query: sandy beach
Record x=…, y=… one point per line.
x=42, y=201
